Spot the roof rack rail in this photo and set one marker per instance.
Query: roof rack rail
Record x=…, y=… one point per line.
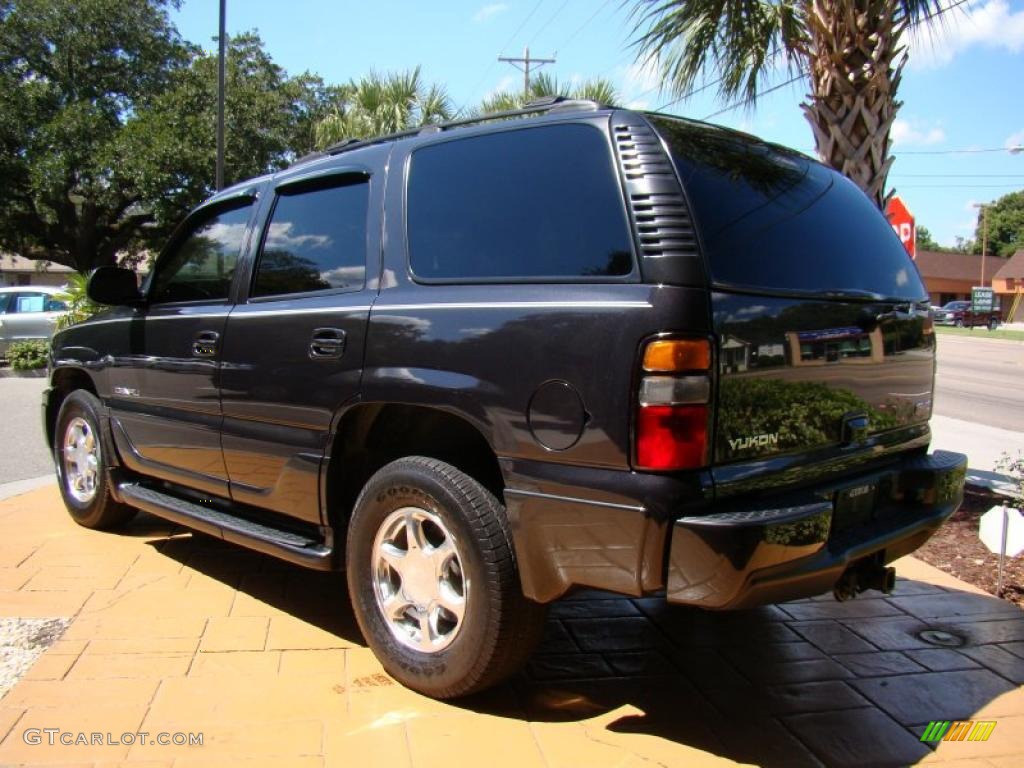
x=537, y=106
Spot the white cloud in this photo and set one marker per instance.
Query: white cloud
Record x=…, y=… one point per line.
x=488, y=12
x=507, y=83
x=992, y=25
x=1015, y=139
x=906, y=132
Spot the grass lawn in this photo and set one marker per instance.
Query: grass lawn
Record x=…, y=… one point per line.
x=981, y=333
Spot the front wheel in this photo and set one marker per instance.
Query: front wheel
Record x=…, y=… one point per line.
x=959, y=323
x=433, y=580
x=81, y=469
x=993, y=324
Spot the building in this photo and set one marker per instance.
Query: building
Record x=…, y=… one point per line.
x=950, y=275
x=17, y=270
x=1008, y=282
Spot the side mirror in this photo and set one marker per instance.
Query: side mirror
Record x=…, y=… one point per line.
x=114, y=286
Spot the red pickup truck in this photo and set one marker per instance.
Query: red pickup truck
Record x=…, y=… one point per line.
x=960, y=314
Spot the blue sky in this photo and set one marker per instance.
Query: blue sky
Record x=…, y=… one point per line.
x=963, y=88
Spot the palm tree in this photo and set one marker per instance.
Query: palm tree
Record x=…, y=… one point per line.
x=378, y=104
x=597, y=89
x=850, y=51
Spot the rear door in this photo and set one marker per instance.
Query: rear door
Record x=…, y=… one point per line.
x=293, y=349
x=825, y=345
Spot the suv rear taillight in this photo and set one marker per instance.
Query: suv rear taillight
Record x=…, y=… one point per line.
x=672, y=412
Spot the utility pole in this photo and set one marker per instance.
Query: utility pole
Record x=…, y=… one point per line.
x=984, y=237
x=222, y=45
x=526, y=61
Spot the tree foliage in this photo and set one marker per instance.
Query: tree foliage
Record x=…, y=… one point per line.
x=925, y=241
x=597, y=89
x=107, y=125
x=1005, y=226
x=73, y=73
x=378, y=104
x=850, y=52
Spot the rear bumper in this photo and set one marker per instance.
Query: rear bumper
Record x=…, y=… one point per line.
x=782, y=551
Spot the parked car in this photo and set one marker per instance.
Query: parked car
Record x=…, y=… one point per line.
x=480, y=365
x=960, y=315
x=28, y=312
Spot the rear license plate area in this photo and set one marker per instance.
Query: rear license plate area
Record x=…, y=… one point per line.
x=854, y=507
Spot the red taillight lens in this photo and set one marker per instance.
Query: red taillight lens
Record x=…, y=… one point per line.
x=671, y=436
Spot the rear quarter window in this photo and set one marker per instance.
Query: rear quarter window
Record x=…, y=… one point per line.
x=772, y=219
x=538, y=203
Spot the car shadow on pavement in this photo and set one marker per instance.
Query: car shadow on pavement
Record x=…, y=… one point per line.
x=811, y=682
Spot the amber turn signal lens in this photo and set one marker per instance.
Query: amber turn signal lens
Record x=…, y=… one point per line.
x=672, y=355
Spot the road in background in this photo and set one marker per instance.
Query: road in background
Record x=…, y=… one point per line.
x=981, y=381
x=23, y=451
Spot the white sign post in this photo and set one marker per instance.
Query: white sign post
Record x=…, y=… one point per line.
x=1001, y=529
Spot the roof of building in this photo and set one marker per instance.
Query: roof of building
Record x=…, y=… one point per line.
x=1012, y=268
x=953, y=265
x=10, y=262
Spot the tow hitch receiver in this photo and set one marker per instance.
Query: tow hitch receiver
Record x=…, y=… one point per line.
x=862, y=576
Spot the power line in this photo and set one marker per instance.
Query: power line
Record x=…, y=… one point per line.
x=958, y=175
x=955, y=151
x=759, y=95
x=923, y=19
x=585, y=24
x=508, y=42
x=547, y=23
x=960, y=186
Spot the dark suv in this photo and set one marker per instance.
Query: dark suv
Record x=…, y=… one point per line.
x=482, y=364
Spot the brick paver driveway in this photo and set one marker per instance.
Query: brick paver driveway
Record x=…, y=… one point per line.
x=179, y=632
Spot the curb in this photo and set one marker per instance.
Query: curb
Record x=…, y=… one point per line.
x=10, y=373
x=992, y=482
x=18, y=487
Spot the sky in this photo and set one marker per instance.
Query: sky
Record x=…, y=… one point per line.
x=962, y=89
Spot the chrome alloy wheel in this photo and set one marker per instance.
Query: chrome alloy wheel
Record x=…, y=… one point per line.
x=81, y=460
x=418, y=579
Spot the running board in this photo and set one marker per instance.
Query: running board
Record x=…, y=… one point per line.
x=285, y=545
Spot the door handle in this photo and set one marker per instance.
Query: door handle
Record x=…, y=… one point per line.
x=327, y=343
x=204, y=344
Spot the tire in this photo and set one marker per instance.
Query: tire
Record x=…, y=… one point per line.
x=993, y=324
x=86, y=493
x=958, y=323
x=465, y=535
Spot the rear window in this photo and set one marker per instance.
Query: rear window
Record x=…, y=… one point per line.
x=771, y=219
x=536, y=203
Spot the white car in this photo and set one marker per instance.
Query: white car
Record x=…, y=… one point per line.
x=28, y=312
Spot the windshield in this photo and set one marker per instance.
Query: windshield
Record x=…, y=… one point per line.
x=772, y=219
x=957, y=305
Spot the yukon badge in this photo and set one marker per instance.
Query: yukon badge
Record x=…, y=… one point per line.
x=769, y=440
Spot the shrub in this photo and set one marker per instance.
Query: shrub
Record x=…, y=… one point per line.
x=79, y=306
x=28, y=355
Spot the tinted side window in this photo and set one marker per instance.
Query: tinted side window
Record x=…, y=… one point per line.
x=202, y=266
x=770, y=218
x=533, y=203
x=315, y=241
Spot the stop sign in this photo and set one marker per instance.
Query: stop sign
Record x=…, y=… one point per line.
x=903, y=222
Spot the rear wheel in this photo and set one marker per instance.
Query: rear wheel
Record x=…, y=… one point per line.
x=81, y=465
x=993, y=323
x=433, y=580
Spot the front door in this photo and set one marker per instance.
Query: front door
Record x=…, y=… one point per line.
x=293, y=350
x=165, y=401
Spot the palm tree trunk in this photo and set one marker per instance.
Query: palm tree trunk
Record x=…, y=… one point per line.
x=855, y=62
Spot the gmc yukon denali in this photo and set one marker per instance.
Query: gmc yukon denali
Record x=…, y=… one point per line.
x=481, y=364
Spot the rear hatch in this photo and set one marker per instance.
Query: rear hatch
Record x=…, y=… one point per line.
x=825, y=347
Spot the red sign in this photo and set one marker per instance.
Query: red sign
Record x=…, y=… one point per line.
x=903, y=222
